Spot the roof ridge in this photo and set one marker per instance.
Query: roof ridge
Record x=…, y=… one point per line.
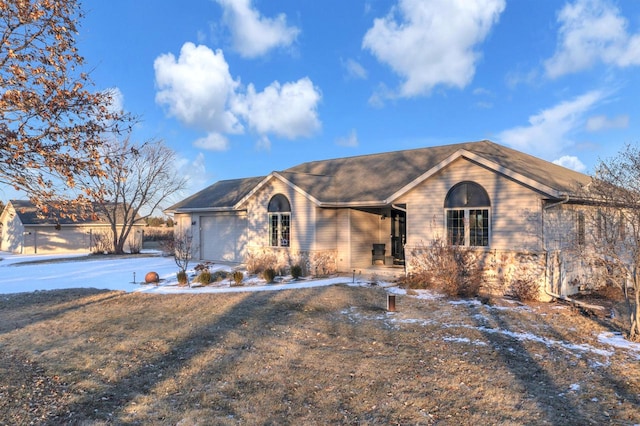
x=390, y=153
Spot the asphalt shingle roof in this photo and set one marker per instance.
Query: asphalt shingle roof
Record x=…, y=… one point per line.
x=30, y=215
x=376, y=177
x=222, y=194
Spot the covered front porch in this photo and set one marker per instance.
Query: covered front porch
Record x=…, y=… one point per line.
x=384, y=241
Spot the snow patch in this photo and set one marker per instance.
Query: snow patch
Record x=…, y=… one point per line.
x=617, y=340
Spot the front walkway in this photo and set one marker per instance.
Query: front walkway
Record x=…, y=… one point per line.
x=377, y=272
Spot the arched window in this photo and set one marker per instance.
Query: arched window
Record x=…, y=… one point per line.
x=279, y=221
x=467, y=207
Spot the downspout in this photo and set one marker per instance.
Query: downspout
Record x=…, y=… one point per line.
x=566, y=200
x=569, y=300
x=546, y=272
x=546, y=280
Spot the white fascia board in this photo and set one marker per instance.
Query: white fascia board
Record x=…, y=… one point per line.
x=250, y=194
x=203, y=210
x=463, y=153
x=275, y=175
x=514, y=175
x=354, y=204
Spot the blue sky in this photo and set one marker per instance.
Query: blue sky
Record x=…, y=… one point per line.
x=240, y=88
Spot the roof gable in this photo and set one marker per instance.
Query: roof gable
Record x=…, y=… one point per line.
x=379, y=179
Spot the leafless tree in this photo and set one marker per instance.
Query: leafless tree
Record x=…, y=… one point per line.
x=615, y=246
x=183, y=250
x=51, y=123
x=138, y=179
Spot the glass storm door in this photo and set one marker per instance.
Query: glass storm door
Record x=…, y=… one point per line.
x=398, y=235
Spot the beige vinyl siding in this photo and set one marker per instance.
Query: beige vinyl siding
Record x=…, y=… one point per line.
x=68, y=239
x=354, y=234
x=183, y=225
x=343, y=239
x=303, y=216
x=326, y=229
x=46, y=239
x=50, y=240
x=515, y=209
x=12, y=231
x=183, y=222
x=366, y=230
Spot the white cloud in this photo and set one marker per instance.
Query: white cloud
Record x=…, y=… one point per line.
x=481, y=91
x=592, y=31
x=571, y=162
x=195, y=171
x=254, y=35
x=288, y=110
x=351, y=140
x=117, y=100
x=198, y=90
x=354, y=69
x=264, y=143
x=430, y=43
x=548, y=131
x=602, y=122
x=213, y=142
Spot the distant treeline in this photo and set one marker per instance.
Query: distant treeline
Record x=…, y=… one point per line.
x=157, y=221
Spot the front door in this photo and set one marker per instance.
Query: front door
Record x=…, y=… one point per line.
x=398, y=235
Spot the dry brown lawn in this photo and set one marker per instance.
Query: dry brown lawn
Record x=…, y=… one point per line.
x=329, y=355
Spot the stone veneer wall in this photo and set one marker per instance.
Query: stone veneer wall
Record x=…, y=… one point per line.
x=554, y=273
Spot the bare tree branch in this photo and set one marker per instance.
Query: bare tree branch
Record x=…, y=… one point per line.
x=615, y=246
x=137, y=180
x=51, y=123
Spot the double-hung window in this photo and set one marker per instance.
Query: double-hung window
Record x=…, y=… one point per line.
x=467, y=210
x=279, y=221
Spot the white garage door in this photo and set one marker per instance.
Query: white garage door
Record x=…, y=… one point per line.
x=221, y=237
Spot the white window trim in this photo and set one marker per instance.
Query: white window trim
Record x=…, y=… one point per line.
x=467, y=227
x=279, y=230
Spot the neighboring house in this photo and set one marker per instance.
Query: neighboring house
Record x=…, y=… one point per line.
x=519, y=212
x=25, y=230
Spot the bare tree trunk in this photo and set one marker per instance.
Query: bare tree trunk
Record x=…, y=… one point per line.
x=634, y=333
x=118, y=245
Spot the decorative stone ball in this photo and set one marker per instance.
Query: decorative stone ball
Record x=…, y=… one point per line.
x=151, y=277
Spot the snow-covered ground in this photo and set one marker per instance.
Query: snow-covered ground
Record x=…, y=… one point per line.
x=19, y=273
x=27, y=273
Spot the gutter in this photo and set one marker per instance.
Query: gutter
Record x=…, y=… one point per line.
x=566, y=200
x=202, y=209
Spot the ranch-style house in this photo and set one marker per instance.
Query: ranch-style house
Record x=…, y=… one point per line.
x=521, y=214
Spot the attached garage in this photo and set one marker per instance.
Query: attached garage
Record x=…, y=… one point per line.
x=222, y=237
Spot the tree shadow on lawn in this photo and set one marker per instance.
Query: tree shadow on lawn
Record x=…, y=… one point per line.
x=616, y=394
x=531, y=378
x=202, y=361
x=25, y=309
